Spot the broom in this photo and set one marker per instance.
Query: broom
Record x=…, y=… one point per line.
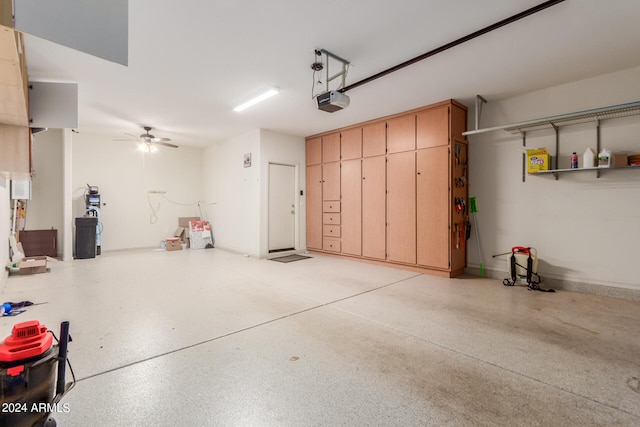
x=474, y=211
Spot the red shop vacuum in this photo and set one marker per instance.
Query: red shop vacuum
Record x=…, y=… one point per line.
x=32, y=371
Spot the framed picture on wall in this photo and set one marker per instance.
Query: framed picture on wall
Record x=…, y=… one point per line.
x=247, y=160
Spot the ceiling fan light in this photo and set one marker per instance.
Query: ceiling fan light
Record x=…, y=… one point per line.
x=259, y=98
x=146, y=147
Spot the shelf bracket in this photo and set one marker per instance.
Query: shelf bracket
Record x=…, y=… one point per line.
x=524, y=154
x=555, y=162
x=480, y=101
x=598, y=143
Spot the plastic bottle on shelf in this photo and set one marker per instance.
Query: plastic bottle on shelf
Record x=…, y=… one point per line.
x=604, y=158
x=574, y=161
x=588, y=158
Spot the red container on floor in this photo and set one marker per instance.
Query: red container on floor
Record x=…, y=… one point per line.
x=27, y=374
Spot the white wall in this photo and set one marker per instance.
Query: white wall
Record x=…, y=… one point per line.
x=585, y=228
x=289, y=150
x=239, y=215
x=124, y=176
x=235, y=190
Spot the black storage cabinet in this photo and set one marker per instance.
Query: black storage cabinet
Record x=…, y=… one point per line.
x=86, y=237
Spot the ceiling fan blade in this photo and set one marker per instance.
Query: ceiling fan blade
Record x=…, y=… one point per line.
x=134, y=136
x=160, y=139
x=166, y=144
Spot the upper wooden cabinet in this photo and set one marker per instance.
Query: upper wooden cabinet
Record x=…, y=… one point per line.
x=432, y=127
x=14, y=109
x=351, y=144
x=331, y=147
x=374, y=139
x=401, y=134
x=15, y=135
x=314, y=151
x=15, y=152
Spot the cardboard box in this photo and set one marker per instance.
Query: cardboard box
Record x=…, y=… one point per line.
x=620, y=160
x=183, y=223
x=538, y=160
x=33, y=265
x=173, y=244
x=182, y=233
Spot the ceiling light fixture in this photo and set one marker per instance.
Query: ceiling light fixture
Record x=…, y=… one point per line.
x=147, y=147
x=259, y=98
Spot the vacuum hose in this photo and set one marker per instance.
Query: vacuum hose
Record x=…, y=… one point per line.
x=62, y=357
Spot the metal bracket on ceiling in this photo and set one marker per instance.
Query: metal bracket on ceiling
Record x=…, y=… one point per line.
x=342, y=73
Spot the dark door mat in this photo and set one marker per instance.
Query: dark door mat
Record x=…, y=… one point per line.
x=290, y=258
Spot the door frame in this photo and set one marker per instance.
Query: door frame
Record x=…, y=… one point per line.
x=296, y=221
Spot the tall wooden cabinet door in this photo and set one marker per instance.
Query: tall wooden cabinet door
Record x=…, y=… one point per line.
x=314, y=206
x=374, y=139
x=432, y=186
x=314, y=151
x=401, y=207
x=331, y=147
x=401, y=134
x=432, y=127
x=351, y=144
x=374, y=217
x=351, y=206
x=331, y=181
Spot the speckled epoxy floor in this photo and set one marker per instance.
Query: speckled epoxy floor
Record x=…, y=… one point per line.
x=207, y=338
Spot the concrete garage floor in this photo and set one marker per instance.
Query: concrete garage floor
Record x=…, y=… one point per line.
x=212, y=338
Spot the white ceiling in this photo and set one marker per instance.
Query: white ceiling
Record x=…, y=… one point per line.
x=191, y=62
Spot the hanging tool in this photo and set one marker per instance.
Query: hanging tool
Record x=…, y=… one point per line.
x=462, y=232
x=474, y=211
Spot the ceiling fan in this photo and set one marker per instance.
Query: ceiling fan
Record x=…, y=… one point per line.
x=149, y=143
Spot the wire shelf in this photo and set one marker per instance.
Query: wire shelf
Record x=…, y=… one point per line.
x=587, y=116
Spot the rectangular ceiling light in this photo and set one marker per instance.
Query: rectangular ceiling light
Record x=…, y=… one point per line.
x=259, y=98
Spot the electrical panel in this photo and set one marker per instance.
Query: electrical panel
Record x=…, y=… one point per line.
x=21, y=189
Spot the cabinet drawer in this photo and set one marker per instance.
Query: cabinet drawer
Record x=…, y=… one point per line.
x=331, y=230
x=331, y=244
x=331, y=206
x=331, y=218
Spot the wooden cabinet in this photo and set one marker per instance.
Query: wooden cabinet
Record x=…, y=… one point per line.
x=314, y=151
x=331, y=181
x=374, y=208
x=15, y=135
x=351, y=184
x=432, y=127
x=374, y=139
x=331, y=147
x=393, y=190
x=401, y=207
x=433, y=207
x=401, y=133
x=314, y=206
x=39, y=242
x=351, y=144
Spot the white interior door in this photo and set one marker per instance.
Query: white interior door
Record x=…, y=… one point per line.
x=282, y=207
